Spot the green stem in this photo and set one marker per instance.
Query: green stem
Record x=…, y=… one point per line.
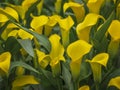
x=76, y=85
x=59, y=84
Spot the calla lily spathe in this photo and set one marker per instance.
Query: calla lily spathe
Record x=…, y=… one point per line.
x=83, y=28
x=115, y=82
x=65, y=25
x=56, y=54
x=38, y=22
x=96, y=64
x=23, y=80
x=9, y=11
x=5, y=63
x=43, y=59
x=76, y=51
x=85, y=87
x=77, y=8
x=114, y=30
x=95, y=5
x=58, y=4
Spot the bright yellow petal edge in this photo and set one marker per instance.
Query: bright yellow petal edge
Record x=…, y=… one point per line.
x=85, y=87
x=5, y=63
x=115, y=82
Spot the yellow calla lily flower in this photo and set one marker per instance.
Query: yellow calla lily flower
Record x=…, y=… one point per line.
x=95, y=5
x=39, y=6
x=42, y=58
x=21, y=33
x=38, y=22
x=11, y=12
x=83, y=28
x=85, y=87
x=96, y=63
x=114, y=30
x=3, y=18
x=5, y=63
x=23, y=80
x=27, y=3
x=77, y=8
x=58, y=4
x=20, y=71
x=53, y=20
x=115, y=82
x=65, y=25
x=76, y=51
x=56, y=54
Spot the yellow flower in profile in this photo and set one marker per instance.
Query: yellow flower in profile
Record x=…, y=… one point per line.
x=94, y=5
x=114, y=30
x=83, y=28
x=76, y=51
x=3, y=18
x=65, y=26
x=96, y=64
x=21, y=81
x=43, y=59
x=5, y=63
x=77, y=8
x=38, y=22
x=58, y=4
x=56, y=54
x=85, y=87
x=115, y=82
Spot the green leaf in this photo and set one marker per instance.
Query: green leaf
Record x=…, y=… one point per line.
x=101, y=32
x=27, y=45
x=67, y=77
x=12, y=45
x=24, y=65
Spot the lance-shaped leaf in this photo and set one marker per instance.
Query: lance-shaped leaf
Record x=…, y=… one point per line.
x=56, y=53
x=5, y=63
x=38, y=22
x=77, y=8
x=96, y=63
x=11, y=12
x=76, y=51
x=42, y=58
x=115, y=82
x=23, y=80
x=83, y=29
x=65, y=25
x=85, y=87
x=114, y=30
x=95, y=5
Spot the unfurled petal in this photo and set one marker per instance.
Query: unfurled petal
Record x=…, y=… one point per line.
x=95, y=5
x=101, y=59
x=27, y=3
x=3, y=18
x=24, y=35
x=114, y=30
x=42, y=58
x=23, y=80
x=77, y=8
x=5, y=63
x=85, y=87
x=83, y=28
x=66, y=23
x=77, y=49
x=115, y=82
x=38, y=22
x=11, y=12
x=57, y=50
